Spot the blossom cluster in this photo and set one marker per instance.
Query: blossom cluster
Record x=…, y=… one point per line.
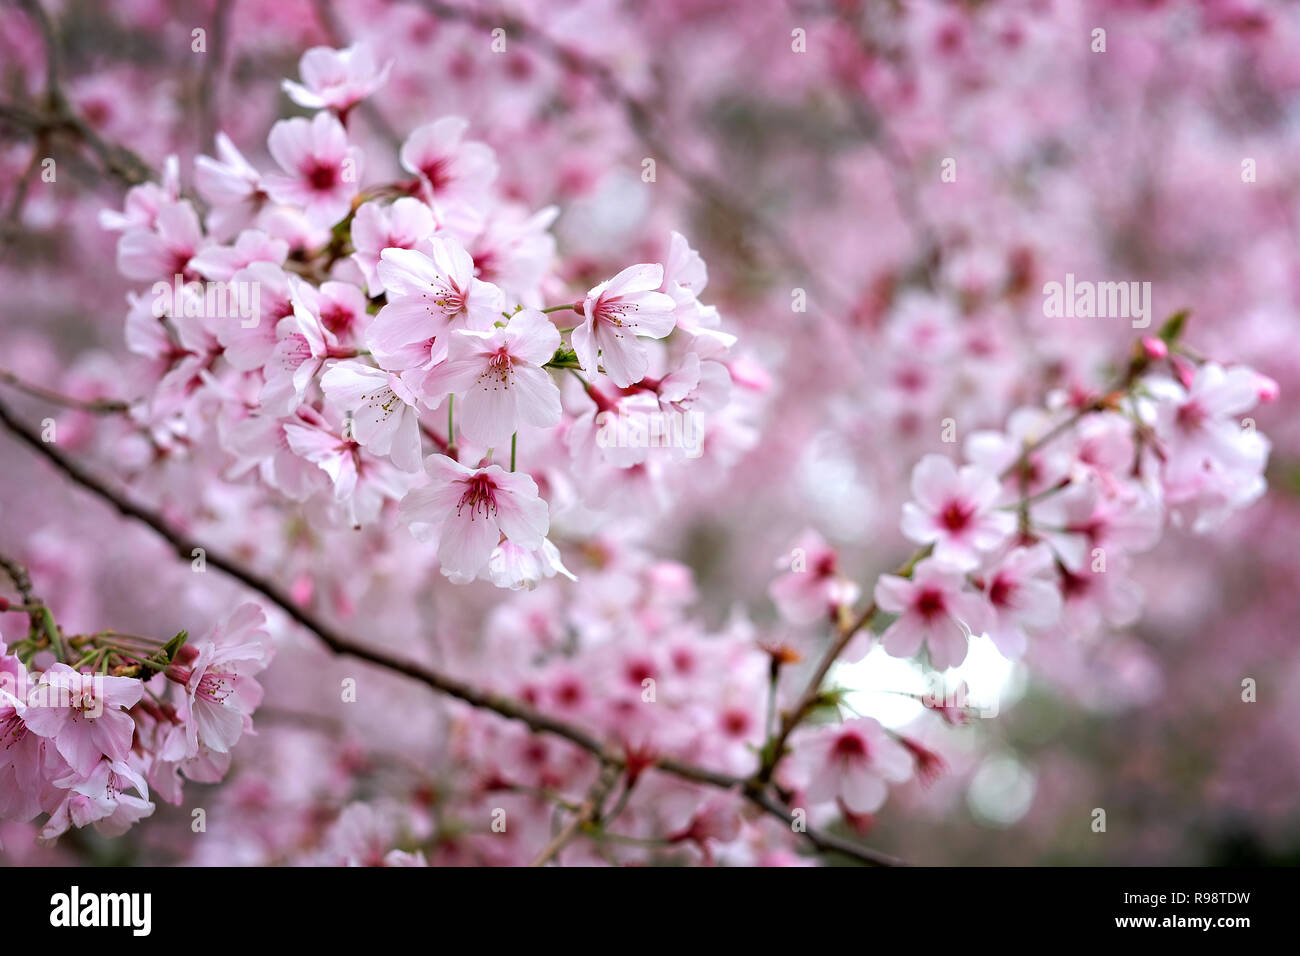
x=357, y=309
x=1034, y=536
x=86, y=742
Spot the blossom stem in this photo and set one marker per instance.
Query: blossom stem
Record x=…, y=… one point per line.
x=450, y=448
x=1038, y=496
x=774, y=749
x=514, y=442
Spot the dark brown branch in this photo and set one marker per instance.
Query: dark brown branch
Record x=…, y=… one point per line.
x=57, y=114
x=21, y=579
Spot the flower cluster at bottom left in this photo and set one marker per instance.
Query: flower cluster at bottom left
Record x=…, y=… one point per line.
x=85, y=742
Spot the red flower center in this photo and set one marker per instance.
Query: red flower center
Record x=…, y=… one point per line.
x=956, y=515
x=1191, y=416
x=735, y=723
x=930, y=603
x=479, y=495
x=850, y=747
x=1000, y=591
x=438, y=172
x=322, y=178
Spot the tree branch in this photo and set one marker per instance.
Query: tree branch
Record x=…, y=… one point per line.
x=339, y=643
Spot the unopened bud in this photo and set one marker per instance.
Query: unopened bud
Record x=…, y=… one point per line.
x=178, y=673
x=1154, y=347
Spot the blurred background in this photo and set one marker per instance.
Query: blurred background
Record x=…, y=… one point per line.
x=801, y=148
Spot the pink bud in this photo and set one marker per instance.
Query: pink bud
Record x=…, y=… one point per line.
x=178, y=674
x=301, y=589
x=1155, y=348
x=1185, y=370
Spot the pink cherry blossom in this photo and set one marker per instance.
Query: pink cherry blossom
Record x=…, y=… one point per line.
x=853, y=762
x=321, y=171
x=1212, y=464
x=935, y=608
x=403, y=225
x=304, y=344
x=513, y=566
x=219, y=690
x=498, y=378
x=451, y=168
x=428, y=297
x=1082, y=519
x=250, y=343
x=468, y=510
x=83, y=714
x=1022, y=596
x=102, y=796
x=420, y=280
x=956, y=511
x=23, y=757
x=220, y=263
x=615, y=313
x=812, y=589
x=337, y=79
x=230, y=185
x=165, y=249
x=382, y=406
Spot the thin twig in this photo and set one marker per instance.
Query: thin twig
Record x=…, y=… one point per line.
x=98, y=406
x=588, y=813
x=58, y=114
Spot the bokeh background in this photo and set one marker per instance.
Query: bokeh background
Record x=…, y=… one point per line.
x=799, y=146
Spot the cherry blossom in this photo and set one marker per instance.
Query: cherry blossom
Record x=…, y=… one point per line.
x=220, y=692
x=402, y=225
x=337, y=79
x=812, y=589
x=382, y=406
x=321, y=172
x=1022, y=596
x=615, y=313
x=84, y=715
x=452, y=170
x=466, y=511
x=935, y=608
x=795, y=324
x=499, y=379
x=428, y=297
x=854, y=763
x=955, y=510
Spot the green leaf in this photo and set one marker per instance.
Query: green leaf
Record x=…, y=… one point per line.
x=172, y=647
x=1173, y=327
